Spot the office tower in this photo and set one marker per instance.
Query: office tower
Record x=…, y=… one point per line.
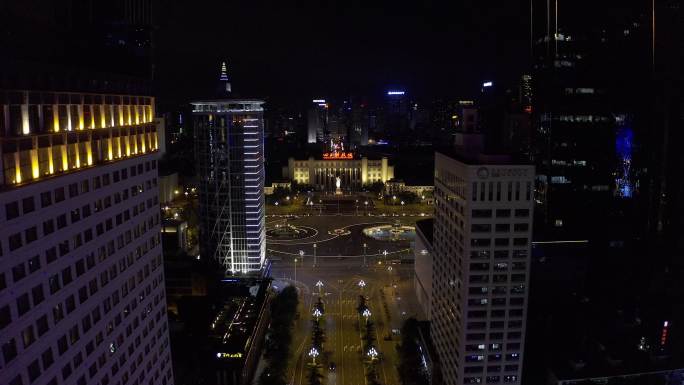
x=317, y=122
x=481, y=246
x=81, y=278
x=229, y=146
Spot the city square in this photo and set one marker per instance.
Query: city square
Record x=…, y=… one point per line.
x=343, y=270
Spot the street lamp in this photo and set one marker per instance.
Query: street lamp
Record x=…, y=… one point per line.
x=276, y=203
x=372, y=353
x=384, y=255
x=366, y=313
x=295, y=265
x=317, y=313
x=364, y=253
x=319, y=285
x=301, y=255
x=362, y=284
x=402, y=208
x=313, y=353
x=366, y=204
x=314, y=253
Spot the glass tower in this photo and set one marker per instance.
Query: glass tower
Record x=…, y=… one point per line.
x=229, y=145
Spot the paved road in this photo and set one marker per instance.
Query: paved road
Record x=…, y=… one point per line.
x=341, y=294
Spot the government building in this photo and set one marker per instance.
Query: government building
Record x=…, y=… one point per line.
x=353, y=172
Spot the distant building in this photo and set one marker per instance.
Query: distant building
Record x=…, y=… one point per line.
x=396, y=186
x=317, y=122
x=229, y=146
x=353, y=172
x=480, y=266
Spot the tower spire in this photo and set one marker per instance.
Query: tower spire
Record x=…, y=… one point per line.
x=225, y=82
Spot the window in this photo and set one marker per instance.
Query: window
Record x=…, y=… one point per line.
x=61, y=221
x=85, y=186
x=42, y=325
x=5, y=316
x=519, y=241
x=66, y=276
x=59, y=194
x=70, y=304
x=481, y=228
x=15, y=241
x=482, y=213
x=33, y=370
x=47, y=358
x=34, y=264
x=503, y=213
x=57, y=313
x=501, y=242
x=48, y=227
x=28, y=336
x=45, y=199
x=12, y=210
x=31, y=234
x=9, y=350
x=522, y=213
x=480, y=242
x=503, y=227
x=18, y=272
x=85, y=210
x=75, y=215
x=521, y=227
x=73, y=190
x=28, y=204
x=38, y=294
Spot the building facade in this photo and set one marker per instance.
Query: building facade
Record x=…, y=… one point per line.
x=322, y=174
x=422, y=264
x=229, y=146
x=480, y=273
x=81, y=280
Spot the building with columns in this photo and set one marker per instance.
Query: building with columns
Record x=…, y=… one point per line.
x=353, y=172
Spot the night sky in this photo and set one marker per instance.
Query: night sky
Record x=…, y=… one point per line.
x=298, y=50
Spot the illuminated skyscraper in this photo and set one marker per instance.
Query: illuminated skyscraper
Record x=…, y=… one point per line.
x=480, y=266
x=229, y=146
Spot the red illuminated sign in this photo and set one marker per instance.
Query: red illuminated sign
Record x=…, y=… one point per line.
x=338, y=155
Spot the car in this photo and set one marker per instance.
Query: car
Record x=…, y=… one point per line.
x=332, y=367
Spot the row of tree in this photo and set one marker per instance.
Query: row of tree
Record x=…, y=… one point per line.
x=317, y=340
x=279, y=337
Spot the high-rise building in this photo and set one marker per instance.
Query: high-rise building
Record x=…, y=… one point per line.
x=81, y=280
x=317, y=122
x=480, y=266
x=229, y=146
x=82, y=296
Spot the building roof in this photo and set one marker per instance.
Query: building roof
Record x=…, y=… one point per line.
x=483, y=158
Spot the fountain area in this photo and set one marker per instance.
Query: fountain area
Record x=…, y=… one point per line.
x=394, y=232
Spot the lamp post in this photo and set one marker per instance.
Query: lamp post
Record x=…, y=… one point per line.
x=384, y=256
x=362, y=284
x=364, y=253
x=314, y=253
x=301, y=255
x=319, y=285
x=317, y=313
x=366, y=204
x=295, y=265
x=402, y=208
x=372, y=353
x=313, y=353
x=366, y=313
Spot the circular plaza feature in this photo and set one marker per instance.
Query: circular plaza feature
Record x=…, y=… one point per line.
x=339, y=232
x=287, y=232
x=395, y=232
